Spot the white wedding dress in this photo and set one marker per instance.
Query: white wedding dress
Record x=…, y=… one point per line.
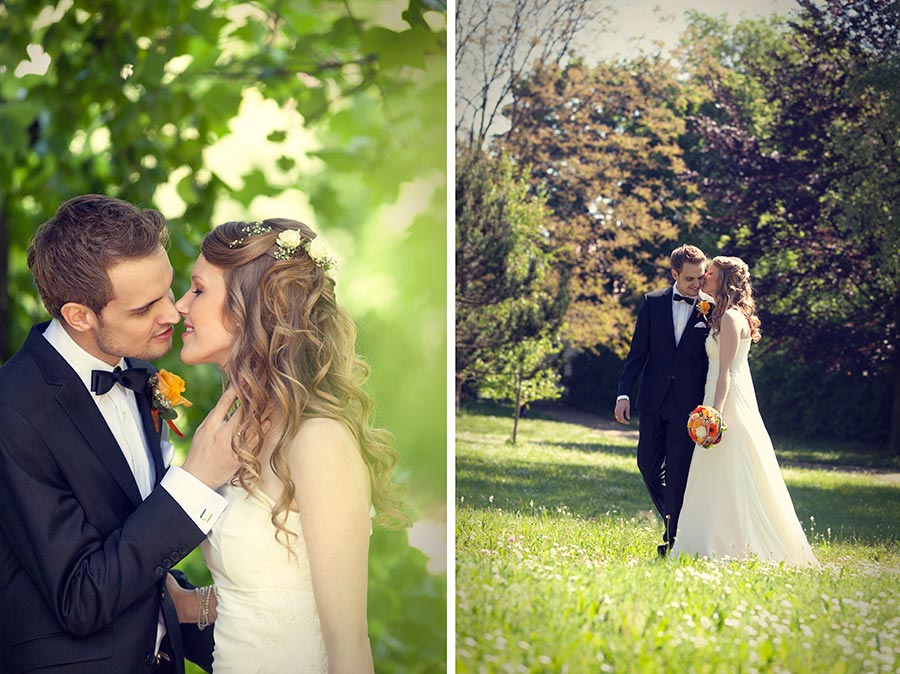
x=736, y=504
x=268, y=622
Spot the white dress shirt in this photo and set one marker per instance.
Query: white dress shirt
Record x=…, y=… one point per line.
x=681, y=313
x=119, y=409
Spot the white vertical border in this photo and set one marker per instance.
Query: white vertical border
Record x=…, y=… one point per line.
x=451, y=336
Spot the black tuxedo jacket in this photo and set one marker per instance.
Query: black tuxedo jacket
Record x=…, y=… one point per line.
x=664, y=365
x=83, y=559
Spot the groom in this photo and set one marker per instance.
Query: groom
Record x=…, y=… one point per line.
x=92, y=517
x=668, y=347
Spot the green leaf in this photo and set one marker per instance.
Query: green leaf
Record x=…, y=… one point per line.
x=407, y=48
x=286, y=163
x=256, y=184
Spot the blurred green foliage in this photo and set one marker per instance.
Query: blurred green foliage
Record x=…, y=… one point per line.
x=139, y=94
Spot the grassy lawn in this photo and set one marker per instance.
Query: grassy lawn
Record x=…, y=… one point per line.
x=556, y=567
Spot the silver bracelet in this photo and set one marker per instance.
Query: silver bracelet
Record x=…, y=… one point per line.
x=203, y=612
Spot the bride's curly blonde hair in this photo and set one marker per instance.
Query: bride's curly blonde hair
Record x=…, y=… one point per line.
x=294, y=349
x=734, y=291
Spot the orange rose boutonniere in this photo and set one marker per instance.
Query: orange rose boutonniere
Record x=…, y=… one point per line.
x=703, y=307
x=165, y=392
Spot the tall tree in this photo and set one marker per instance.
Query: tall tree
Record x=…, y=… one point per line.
x=506, y=291
x=811, y=191
x=603, y=142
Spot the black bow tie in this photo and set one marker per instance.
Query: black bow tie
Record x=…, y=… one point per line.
x=134, y=378
x=681, y=298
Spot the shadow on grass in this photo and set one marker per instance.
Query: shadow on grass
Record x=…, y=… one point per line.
x=489, y=408
x=587, y=491
x=865, y=513
x=590, y=448
x=840, y=454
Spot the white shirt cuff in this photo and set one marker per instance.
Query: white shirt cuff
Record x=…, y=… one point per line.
x=202, y=504
x=623, y=397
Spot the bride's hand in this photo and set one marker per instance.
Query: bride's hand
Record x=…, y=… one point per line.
x=181, y=598
x=210, y=458
x=187, y=602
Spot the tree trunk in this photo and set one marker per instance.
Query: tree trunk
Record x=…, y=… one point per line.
x=894, y=434
x=894, y=443
x=518, y=402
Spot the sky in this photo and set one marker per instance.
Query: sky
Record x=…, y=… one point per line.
x=640, y=22
x=636, y=25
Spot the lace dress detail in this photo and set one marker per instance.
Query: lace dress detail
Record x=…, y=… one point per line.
x=736, y=503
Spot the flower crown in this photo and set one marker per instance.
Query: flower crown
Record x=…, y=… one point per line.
x=288, y=242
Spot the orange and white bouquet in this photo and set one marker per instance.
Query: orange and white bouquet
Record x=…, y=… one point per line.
x=705, y=426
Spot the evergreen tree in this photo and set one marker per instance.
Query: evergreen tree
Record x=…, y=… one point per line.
x=506, y=289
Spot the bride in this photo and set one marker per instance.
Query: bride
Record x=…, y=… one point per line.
x=736, y=503
x=289, y=555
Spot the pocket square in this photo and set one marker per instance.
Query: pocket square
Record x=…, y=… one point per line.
x=700, y=324
x=168, y=452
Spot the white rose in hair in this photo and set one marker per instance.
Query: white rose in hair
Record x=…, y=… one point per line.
x=289, y=239
x=316, y=249
x=319, y=254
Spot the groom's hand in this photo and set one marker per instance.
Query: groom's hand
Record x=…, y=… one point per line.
x=623, y=410
x=211, y=458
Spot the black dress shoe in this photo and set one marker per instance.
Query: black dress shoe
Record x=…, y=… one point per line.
x=662, y=550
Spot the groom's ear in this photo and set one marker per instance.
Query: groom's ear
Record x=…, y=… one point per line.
x=80, y=317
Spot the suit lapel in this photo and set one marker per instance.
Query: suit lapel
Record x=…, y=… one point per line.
x=687, y=336
x=670, y=318
x=691, y=325
x=76, y=402
x=150, y=431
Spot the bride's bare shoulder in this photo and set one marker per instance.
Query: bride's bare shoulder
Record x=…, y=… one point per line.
x=324, y=426
x=326, y=455
x=736, y=318
x=324, y=436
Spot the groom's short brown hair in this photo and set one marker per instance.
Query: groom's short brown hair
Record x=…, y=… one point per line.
x=686, y=253
x=72, y=252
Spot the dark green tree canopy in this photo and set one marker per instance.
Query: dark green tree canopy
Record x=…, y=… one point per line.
x=804, y=183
